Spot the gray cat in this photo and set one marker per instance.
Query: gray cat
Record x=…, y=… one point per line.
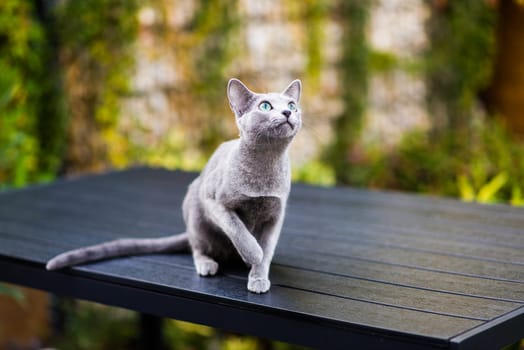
x=235, y=208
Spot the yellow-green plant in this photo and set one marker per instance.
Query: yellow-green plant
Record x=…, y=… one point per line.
x=314, y=172
x=484, y=165
x=517, y=198
x=486, y=193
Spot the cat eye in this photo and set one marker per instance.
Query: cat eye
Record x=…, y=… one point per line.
x=265, y=106
x=292, y=106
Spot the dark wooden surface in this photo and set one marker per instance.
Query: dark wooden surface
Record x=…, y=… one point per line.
x=352, y=268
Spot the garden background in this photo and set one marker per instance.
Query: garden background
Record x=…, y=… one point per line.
x=411, y=95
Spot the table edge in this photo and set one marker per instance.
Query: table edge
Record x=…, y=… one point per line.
x=489, y=334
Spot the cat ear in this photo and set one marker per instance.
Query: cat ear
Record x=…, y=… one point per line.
x=293, y=90
x=239, y=96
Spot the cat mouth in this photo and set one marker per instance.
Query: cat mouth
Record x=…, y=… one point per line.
x=288, y=123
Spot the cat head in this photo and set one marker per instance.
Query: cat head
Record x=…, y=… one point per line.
x=265, y=118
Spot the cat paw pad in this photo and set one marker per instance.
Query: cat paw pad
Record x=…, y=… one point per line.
x=258, y=285
x=207, y=268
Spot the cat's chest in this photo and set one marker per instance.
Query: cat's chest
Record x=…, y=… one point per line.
x=262, y=183
x=263, y=188
x=254, y=211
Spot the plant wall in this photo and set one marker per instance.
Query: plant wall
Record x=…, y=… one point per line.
x=96, y=57
x=31, y=122
x=353, y=68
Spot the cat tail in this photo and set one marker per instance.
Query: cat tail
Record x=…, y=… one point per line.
x=120, y=247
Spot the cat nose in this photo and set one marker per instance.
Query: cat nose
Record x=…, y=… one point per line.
x=286, y=112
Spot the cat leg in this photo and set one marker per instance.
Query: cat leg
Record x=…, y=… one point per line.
x=204, y=265
x=258, y=279
x=199, y=232
x=229, y=222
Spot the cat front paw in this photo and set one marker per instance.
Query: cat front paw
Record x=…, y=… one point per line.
x=258, y=285
x=254, y=256
x=207, y=267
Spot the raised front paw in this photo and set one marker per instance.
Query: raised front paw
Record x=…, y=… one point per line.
x=253, y=256
x=258, y=285
x=206, y=267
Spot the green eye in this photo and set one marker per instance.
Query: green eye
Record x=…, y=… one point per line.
x=265, y=106
x=292, y=106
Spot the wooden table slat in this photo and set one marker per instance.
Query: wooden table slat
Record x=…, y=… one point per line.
x=406, y=276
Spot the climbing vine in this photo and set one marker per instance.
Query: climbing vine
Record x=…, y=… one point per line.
x=96, y=53
x=315, y=21
x=214, y=26
x=354, y=79
x=31, y=123
x=52, y=67
x=459, y=60
x=466, y=153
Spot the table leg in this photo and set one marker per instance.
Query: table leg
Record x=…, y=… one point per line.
x=151, y=332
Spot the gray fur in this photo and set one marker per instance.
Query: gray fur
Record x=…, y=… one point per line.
x=236, y=207
x=120, y=247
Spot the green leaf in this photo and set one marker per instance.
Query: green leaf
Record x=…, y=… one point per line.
x=467, y=192
x=488, y=192
x=516, y=196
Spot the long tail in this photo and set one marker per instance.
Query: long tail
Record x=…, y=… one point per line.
x=120, y=247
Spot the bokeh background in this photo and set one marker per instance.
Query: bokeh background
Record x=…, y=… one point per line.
x=412, y=95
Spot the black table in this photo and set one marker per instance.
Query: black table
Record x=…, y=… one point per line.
x=353, y=268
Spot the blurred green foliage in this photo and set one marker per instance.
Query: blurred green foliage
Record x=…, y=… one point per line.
x=173, y=153
x=314, y=172
x=96, y=39
x=487, y=165
x=28, y=152
x=354, y=72
x=92, y=326
x=95, y=327
x=465, y=154
x=214, y=25
x=315, y=16
x=46, y=51
x=459, y=60
x=460, y=156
